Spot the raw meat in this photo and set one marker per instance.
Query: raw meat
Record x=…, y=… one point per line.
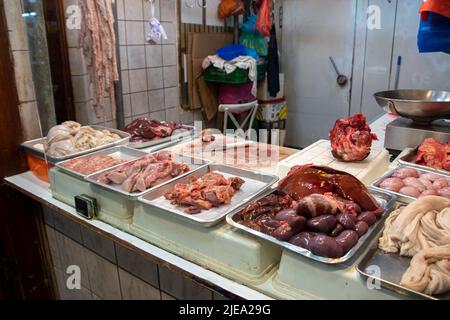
x=70, y=137
x=429, y=271
x=145, y=172
x=403, y=173
x=303, y=181
x=212, y=190
x=92, y=164
x=414, y=182
x=393, y=184
x=98, y=40
x=148, y=129
x=351, y=138
x=434, y=154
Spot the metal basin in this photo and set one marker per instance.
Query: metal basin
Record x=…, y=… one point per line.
x=422, y=106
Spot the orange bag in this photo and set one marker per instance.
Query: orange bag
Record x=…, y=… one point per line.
x=264, y=23
x=228, y=8
x=441, y=7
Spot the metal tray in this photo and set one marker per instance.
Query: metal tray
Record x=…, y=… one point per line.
x=400, y=197
x=385, y=200
x=29, y=146
x=193, y=163
x=409, y=160
x=118, y=152
x=151, y=143
x=392, y=266
x=238, y=142
x=255, y=183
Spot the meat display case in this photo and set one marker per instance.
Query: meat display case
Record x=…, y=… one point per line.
x=65, y=184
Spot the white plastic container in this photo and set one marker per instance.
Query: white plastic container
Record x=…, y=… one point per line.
x=319, y=153
x=65, y=187
x=222, y=248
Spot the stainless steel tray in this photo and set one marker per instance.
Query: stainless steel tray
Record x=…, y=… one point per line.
x=385, y=200
x=391, y=267
x=409, y=160
x=30, y=148
x=151, y=143
x=118, y=152
x=193, y=163
x=400, y=197
x=255, y=183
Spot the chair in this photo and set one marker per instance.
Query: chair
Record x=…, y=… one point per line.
x=229, y=109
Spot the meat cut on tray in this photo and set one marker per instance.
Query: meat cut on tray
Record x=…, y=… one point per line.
x=211, y=190
x=144, y=129
x=351, y=138
x=145, y=173
x=317, y=208
x=92, y=164
x=434, y=154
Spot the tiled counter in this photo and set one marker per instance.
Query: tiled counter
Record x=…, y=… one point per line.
x=116, y=265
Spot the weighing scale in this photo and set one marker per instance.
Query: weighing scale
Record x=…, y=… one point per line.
x=424, y=114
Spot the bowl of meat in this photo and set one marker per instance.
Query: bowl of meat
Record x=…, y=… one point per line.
x=421, y=106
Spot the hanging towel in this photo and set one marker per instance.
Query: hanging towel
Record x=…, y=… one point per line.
x=273, y=66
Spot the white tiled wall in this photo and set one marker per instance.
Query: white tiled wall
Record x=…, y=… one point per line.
x=149, y=73
x=22, y=69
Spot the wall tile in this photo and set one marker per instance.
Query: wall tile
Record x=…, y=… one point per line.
x=67, y=226
x=136, y=57
x=173, y=114
x=139, y=103
x=168, y=10
x=122, y=32
x=135, y=33
x=125, y=80
x=136, y=289
x=81, y=91
x=24, y=77
x=127, y=105
x=29, y=117
x=159, y=115
x=155, y=78
x=77, y=62
x=138, y=80
x=137, y=265
x=123, y=57
x=172, y=97
x=171, y=32
x=67, y=294
x=169, y=53
x=73, y=38
x=170, y=76
x=186, y=116
x=101, y=245
x=218, y=296
x=156, y=100
x=71, y=253
x=81, y=113
x=165, y=296
x=103, y=275
x=147, y=11
x=120, y=9
x=53, y=245
x=154, y=55
x=182, y=288
x=133, y=10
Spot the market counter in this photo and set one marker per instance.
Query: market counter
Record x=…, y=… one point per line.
x=295, y=277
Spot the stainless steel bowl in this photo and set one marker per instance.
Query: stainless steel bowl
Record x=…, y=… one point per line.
x=422, y=106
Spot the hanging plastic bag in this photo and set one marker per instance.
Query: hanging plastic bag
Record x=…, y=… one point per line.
x=228, y=8
x=156, y=31
x=254, y=41
x=264, y=23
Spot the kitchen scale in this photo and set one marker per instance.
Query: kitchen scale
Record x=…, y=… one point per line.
x=424, y=114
